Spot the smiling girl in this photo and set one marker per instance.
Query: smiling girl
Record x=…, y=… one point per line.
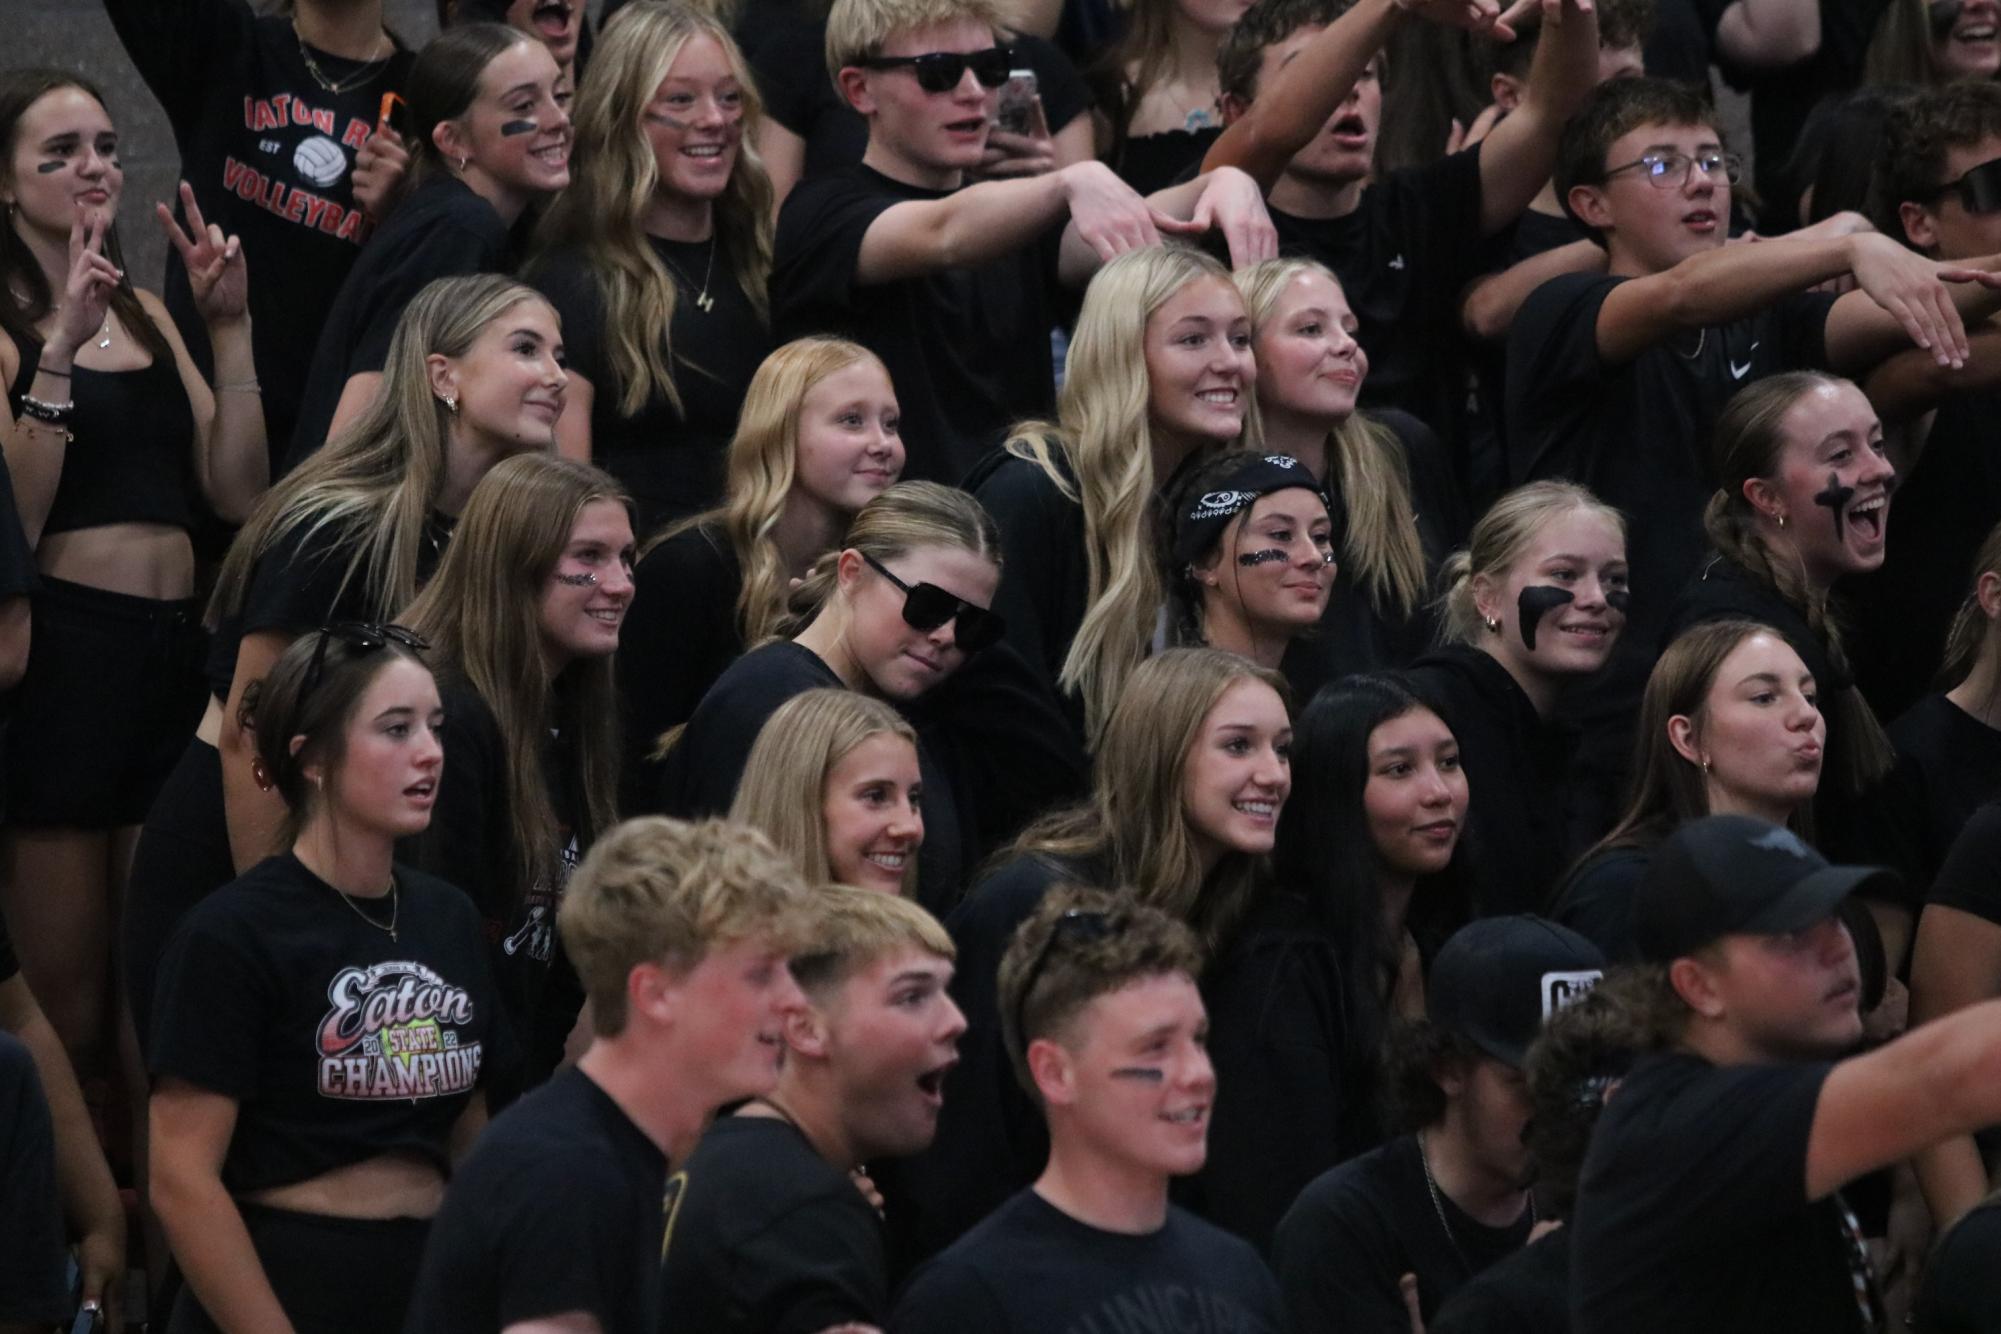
x=657, y=258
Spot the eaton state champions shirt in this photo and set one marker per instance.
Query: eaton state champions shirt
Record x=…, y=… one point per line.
x=338, y=1040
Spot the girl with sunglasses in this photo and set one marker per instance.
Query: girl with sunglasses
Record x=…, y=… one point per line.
x=473, y=376
x=834, y=782
x=1250, y=555
x=819, y=436
x=657, y=257
x=325, y=1022
x=488, y=143
x=1192, y=778
x=894, y=613
x=524, y=614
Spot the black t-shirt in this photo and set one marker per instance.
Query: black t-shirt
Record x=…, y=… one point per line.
x=1597, y=900
x=701, y=773
x=270, y=153
x=680, y=634
x=1403, y=257
x=1529, y=819
x=786, y=46
x=1345, y=1244
x=1970, y=879
x=1353, y=634
x=1637, y=433
x=1948, y=766
x=33, y=1256
x=1945, y=506
x=560, y=1208
x=769, y=1238
x=338, y=1039
x=671, y=462
x=301, y=582
x=442, y=230
x=1045, y=584
x=991, y=1140
x=1962, y=1289
x=1033, y=1269
x=1293, y=1104
x=967, y=346
x=472, y=842
x=1692, y=1210
x=1525, y=1293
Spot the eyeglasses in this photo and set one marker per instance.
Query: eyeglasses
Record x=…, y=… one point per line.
x=366, y=636
x=1670, y=171
x=941, y=71
x=1979, y=189
x=1074, y=924
x=927, y=606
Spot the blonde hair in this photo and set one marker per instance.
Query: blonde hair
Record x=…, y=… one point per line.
x=903, y=518
x=616, y=175
x=784, y=786
x=373, y=485
x=852, y=928
x=1134, y=821
x=1502, y=537
x=482, y=614
x=1750, y=437
x=857, y=29
x=1970, y=628
x=761, y=467
x=1379, y=541
x=1101, y=433
x=667, y=892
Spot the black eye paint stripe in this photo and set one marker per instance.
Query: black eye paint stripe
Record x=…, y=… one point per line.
x=585, y=580
x=1537, y=601
x=1836, y=498
x=1251, y=559
x=1147, y=1073
x=51, y=167
x=518, y=127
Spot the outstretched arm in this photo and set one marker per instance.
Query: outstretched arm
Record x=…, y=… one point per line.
x=1518, y=157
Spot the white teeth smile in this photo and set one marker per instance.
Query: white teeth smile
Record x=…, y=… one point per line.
x=610, y=616
x=888, y=861
x=703, y=150
x=1257, y=807
x=1224, y=397
x=1187, y=1118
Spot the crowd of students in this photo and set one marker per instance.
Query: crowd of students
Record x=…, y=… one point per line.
x=904, y=666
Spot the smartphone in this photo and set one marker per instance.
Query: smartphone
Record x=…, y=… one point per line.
x=1015, y=108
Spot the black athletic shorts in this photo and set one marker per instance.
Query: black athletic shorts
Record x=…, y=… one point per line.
x=113, y=691
x=332, y=1275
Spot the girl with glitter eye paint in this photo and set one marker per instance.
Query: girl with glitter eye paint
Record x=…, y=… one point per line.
x=658, y=256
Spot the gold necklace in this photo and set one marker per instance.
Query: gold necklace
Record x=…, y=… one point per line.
x=395, y=906
x=355, y=78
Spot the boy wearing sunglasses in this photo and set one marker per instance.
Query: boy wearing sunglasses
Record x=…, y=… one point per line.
x=1106, y=1031
x=953, y=285
x=1939, y=180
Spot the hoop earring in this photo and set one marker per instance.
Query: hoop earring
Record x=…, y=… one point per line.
x=1493, y=624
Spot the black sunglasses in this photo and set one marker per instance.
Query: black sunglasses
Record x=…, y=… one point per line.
x=366, y=637
x=927, y=606
x=1979, y=189
x=940, y=71
x=1076, y=924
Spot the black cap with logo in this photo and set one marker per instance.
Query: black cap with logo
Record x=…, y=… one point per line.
x=1498, y=978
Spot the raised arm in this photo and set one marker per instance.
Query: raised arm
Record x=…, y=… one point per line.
x=1518, y=156
x=1911, y=383
x=1489, y=305
x=1769, y=34
x=1862, y=332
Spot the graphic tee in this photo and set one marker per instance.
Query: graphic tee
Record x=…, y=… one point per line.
x=338, y=1040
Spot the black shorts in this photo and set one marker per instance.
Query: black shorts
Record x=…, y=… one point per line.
x=113, y=691
x=182, y=858
x=332, y=1275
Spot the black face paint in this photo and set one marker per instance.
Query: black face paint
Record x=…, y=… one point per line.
x=662, y=118
x=1141, y=1072
x=584, y=580
x=511, y=128
x=1836, y=498
x=1944, y=16
x=51, y=167
x=1536, y=602
x=1252, y=559
x=1619, y=600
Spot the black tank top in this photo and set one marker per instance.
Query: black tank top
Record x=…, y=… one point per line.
x=133, y=457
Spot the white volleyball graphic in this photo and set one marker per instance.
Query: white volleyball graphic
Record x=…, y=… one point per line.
x=320, y=160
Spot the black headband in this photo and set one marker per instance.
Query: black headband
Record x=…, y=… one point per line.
x=1200, y=524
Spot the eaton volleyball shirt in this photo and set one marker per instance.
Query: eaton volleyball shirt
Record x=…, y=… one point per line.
x=340, y=1040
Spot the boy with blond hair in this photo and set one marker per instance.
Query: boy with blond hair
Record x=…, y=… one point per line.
x=680, y=934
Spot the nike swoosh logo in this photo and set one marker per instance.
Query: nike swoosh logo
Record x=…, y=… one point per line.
x=1739, y=372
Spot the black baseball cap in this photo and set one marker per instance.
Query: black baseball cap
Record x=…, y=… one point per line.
x=1498, y=978
x=1727, y=875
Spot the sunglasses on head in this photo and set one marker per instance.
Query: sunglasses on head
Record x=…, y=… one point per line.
x=940, y=71
x=927, y=606
x=1979, y=190
x=363, y=636
x=1077, y=924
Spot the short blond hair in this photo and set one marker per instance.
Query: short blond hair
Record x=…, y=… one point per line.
x=668, y=892
x=852, y=928
x=857, y=30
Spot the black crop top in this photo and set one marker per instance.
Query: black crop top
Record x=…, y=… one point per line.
x=338, y=1042
x=133, y=459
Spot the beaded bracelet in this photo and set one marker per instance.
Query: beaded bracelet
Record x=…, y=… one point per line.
x=55, y=414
